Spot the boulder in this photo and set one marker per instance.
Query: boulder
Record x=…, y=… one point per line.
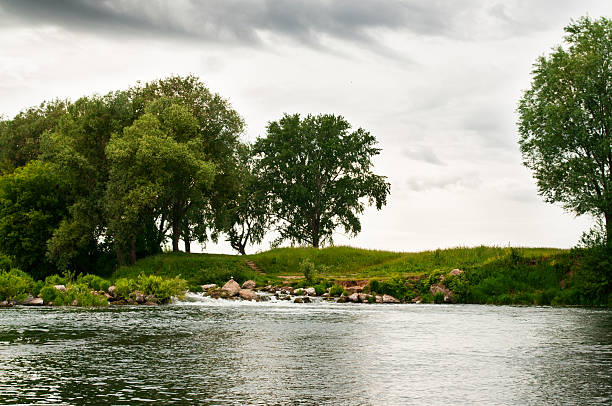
x=326, y=294
x=209, y=286
x=75, y=302
x=364, y=298
x=342, y=299
x=61, y=288
x=417, y=300
x=285, y=297
x=139, y=297
x=298, y=300
x=264, y=298
x=286, y=290
x=306, y=299
x=353, y=298
x=151, y=300
x=456, y=272
x=5, y=303
x=355, y=289
x=250, y=284
x=439, y=288
x=33, y=301
x=112, y=290
x=379, y=299
x=247, y=294
x=389, y=299
x=310, y=291
x=231, y=287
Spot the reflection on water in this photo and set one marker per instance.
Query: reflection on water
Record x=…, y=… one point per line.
x=283, y=353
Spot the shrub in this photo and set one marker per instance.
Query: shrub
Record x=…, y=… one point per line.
x=5, y=263
x=320, y=289
x=48, y=293
x=95, y=282
x=336, y=290
x=15, y=285
x=78, y=294
x=307, y=268
x=438, y=298
x=125, y=287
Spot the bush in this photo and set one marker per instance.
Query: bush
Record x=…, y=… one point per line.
x=320, y=289
x=76, y=294
x=48, y=294
x=15, y=285
x=125, y=287
x=336, y=290
x=307, y=268
x=95, y=282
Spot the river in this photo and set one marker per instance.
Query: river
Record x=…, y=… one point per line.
x=234, y=353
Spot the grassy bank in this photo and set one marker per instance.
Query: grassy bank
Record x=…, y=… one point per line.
x=488, y=275
x=493, y=275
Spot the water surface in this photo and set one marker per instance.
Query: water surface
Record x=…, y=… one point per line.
x=235, y=353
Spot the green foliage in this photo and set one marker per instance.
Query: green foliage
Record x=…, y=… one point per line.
x=33, y=201
x=6, y=263
x=48, y=293
x=320, y=288
x=15, y=285
x=395, y=287
x=318, y=176
x=95, y=282
x=565, y=120
x=78, y=294
x=125, y=287
x=307, y=269
x=162, y=288
x=336, y=290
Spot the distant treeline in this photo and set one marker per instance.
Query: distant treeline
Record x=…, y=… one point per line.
x=105, y=180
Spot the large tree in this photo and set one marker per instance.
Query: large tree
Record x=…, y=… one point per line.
x=318, y=176
x=566, y=121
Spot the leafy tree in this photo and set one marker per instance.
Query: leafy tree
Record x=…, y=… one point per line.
x=566, y=121
x=20, y=137
x=317, y=174
x=33, y=201
x=248, y=211
x=157, y=171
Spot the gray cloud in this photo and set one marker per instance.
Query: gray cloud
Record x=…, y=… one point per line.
x=423, y=153
x=308, y=22
x=446, y=182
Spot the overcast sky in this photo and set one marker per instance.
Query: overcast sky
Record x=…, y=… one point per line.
x=436, y=82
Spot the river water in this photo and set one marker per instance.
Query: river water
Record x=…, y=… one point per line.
x=236, y=353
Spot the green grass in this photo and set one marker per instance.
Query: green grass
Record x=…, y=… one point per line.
x=354, y=263
x=196, y=269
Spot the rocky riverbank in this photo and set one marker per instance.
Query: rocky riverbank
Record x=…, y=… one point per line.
x=249, y=290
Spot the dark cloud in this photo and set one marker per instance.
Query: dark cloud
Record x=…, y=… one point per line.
x=308, y=22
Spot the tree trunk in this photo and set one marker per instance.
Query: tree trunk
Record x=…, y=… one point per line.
x=241, y=249
x=316, y=235
x=608, y=219
x=132, y=251
x=176, y=229
x=187, y=241
x=119, y=253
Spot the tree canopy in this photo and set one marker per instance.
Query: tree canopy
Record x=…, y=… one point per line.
x=318, y=176
x=566, y=121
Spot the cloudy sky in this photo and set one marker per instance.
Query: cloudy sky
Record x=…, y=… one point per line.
x=437, y=83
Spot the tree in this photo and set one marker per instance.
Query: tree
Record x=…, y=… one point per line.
x=318, y=176
x=566, y=122
x=33, y=201
x=248, y=212
x=157, y=171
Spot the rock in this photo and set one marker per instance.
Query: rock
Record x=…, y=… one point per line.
x=353, y=298
x=310, y=291
x=272, y=289
x=439, y=288
x=264, y=298
x=209, y=286
x=389, y=299
x=247, y=294
x=379, y=299
x=298, y=300
x=107, y=296
x=61, y=288
x=250, y=284
x=456, y=272
x=306, y=299
x=112, y=290
x=151, y=299
x=231, y=287
x=355, y=289
x=364, y=298
x=139, y=297
x=75, y=302
x=417, y=300
x=342, y=299
x=286, y=290
x=326, y=294
x=299, y=292
x=285, y=297
x=5, y=303
x=34, y=301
